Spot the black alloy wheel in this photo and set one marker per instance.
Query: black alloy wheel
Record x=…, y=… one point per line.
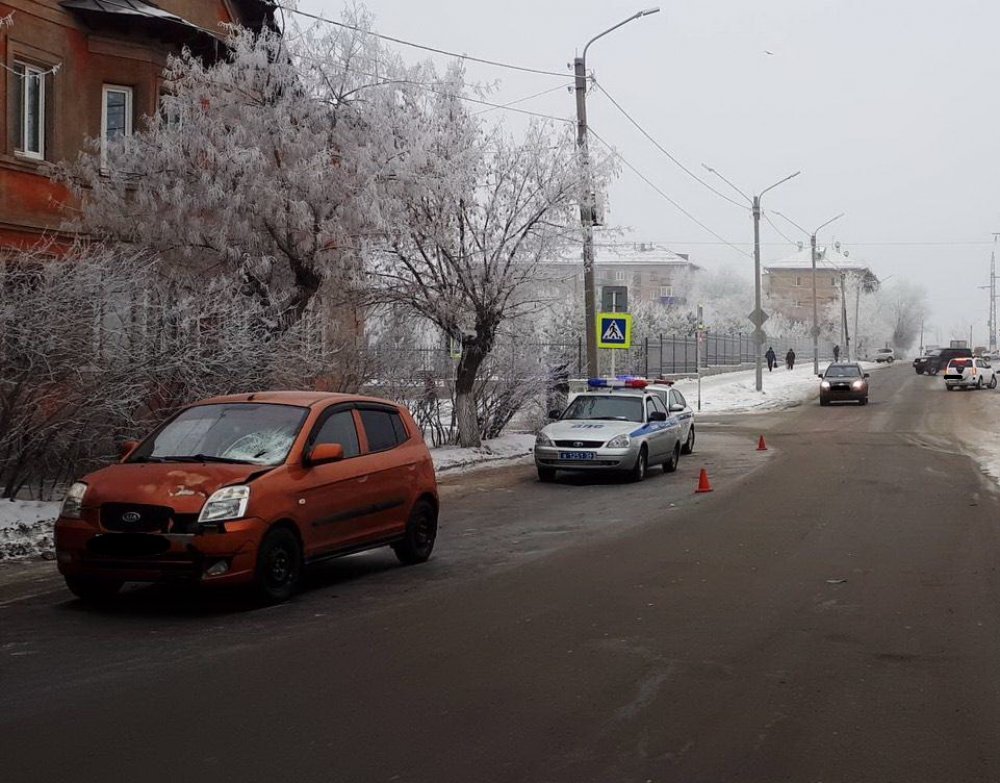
x=279, y=566
x=421, y=532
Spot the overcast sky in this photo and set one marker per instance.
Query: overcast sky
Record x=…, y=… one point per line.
x=889, y=109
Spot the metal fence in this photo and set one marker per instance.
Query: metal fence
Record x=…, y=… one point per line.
x=648, y=356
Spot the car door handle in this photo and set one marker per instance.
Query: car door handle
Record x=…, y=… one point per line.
x=362, y=479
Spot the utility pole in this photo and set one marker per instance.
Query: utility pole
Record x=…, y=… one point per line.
x=845, y=336
x=758, y=316
x=587, y=199
x=586, y=218
x=993, y=294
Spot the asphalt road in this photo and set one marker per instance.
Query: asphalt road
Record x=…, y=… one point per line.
x=829, y=613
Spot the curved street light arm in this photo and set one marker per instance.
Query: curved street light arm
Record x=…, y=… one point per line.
x=785, y=217
x=828, y=223
x=638, y=15
x=779, y=182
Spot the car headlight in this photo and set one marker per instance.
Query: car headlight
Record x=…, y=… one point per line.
x=858, y=385
x=825, y=385
x=226, y=503
x=541, y=439
x=72, y=506
x=619, y=442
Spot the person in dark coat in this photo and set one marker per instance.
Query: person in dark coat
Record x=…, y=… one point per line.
x=790, y=359
x=772, y=358
x=836, y=353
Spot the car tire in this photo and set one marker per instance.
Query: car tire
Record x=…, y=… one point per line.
x=919, y=372
x=670, y=466
x=279, y=566
x=638, y=473
x=863, y=401
x=94, y=591
x=421, y=532
x=823, y=401
x=993, y=382
x=546, y=475
x=979, y=383
x=688, y=447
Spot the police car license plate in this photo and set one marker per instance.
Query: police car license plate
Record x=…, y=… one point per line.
x=576, y=455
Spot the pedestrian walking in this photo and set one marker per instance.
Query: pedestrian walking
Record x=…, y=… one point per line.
x=790, y=359
x=836, y=353
x=772, y=358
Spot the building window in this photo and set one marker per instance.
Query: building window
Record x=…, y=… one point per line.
x=666, y=290
x=798, y=281
x=833, y=281
x=29, y=100
x=116, y=116
x=619, y=275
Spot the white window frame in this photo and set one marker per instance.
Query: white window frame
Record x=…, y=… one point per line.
x=666, y=290
x=31, y=70
x=619, y=275
x=129, y=102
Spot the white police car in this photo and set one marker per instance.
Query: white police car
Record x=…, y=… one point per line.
x=617, y=425
x=676, y=406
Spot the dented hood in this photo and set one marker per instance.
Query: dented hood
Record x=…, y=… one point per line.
x=183, y=486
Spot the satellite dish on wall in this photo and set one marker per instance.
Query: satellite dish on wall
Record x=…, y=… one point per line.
x=836, y=246
x=847, y=253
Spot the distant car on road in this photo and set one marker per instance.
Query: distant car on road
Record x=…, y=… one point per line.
x=939, y=360
x=885, y=355
x=843, y=382
x=249, y=489
x=616, y=426
x=969, y=373
x=921, y=363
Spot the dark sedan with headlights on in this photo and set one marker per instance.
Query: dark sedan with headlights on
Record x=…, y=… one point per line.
x=845, y=382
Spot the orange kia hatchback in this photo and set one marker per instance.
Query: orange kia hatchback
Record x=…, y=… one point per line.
x=249, y=489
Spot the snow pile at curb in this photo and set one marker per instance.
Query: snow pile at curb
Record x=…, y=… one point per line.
x=511, y=446
x=26, y=528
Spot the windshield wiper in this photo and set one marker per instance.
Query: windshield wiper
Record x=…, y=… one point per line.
x=206, y=458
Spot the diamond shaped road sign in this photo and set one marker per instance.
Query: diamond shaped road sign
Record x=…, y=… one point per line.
x=757, y=317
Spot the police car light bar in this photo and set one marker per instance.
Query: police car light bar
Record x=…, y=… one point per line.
x=615, y=383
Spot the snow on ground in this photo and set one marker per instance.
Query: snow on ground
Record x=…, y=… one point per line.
x=26, y=527
x=735, y=392
x=510, y=446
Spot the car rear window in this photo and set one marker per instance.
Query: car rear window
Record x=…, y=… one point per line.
x=959, y=363
x=384, y=428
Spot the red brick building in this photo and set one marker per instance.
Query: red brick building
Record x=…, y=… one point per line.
x=78, y=69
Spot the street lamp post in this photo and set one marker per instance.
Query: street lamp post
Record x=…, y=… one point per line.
x=812, y=246
x=587, y=201
x=758, y=315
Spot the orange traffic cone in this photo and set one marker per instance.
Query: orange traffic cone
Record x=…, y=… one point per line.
x=703, y=485
x=761, y=446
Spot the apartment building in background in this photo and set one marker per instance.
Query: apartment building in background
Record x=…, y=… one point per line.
x=787, y=283
x=78, y=69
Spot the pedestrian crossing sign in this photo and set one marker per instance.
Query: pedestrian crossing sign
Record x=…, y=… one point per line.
x=614, y=330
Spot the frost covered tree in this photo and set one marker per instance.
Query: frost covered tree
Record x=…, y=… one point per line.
x=263, y=164
x=471, y=230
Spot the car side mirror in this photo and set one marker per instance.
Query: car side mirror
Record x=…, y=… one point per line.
x=819, y=375
x=868, y=375
x=676, y=408
x=657, y=416
x=554, y=415
x=325, y=453
x=126, y=447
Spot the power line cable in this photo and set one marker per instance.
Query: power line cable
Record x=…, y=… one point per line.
x=494, y=63
x=781, y=233
x=677, y=206
x=522, y=100
x=666, y=152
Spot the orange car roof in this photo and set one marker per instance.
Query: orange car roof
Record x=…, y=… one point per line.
x=303, y=398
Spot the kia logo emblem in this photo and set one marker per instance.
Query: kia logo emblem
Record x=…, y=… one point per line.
x=131, y=516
